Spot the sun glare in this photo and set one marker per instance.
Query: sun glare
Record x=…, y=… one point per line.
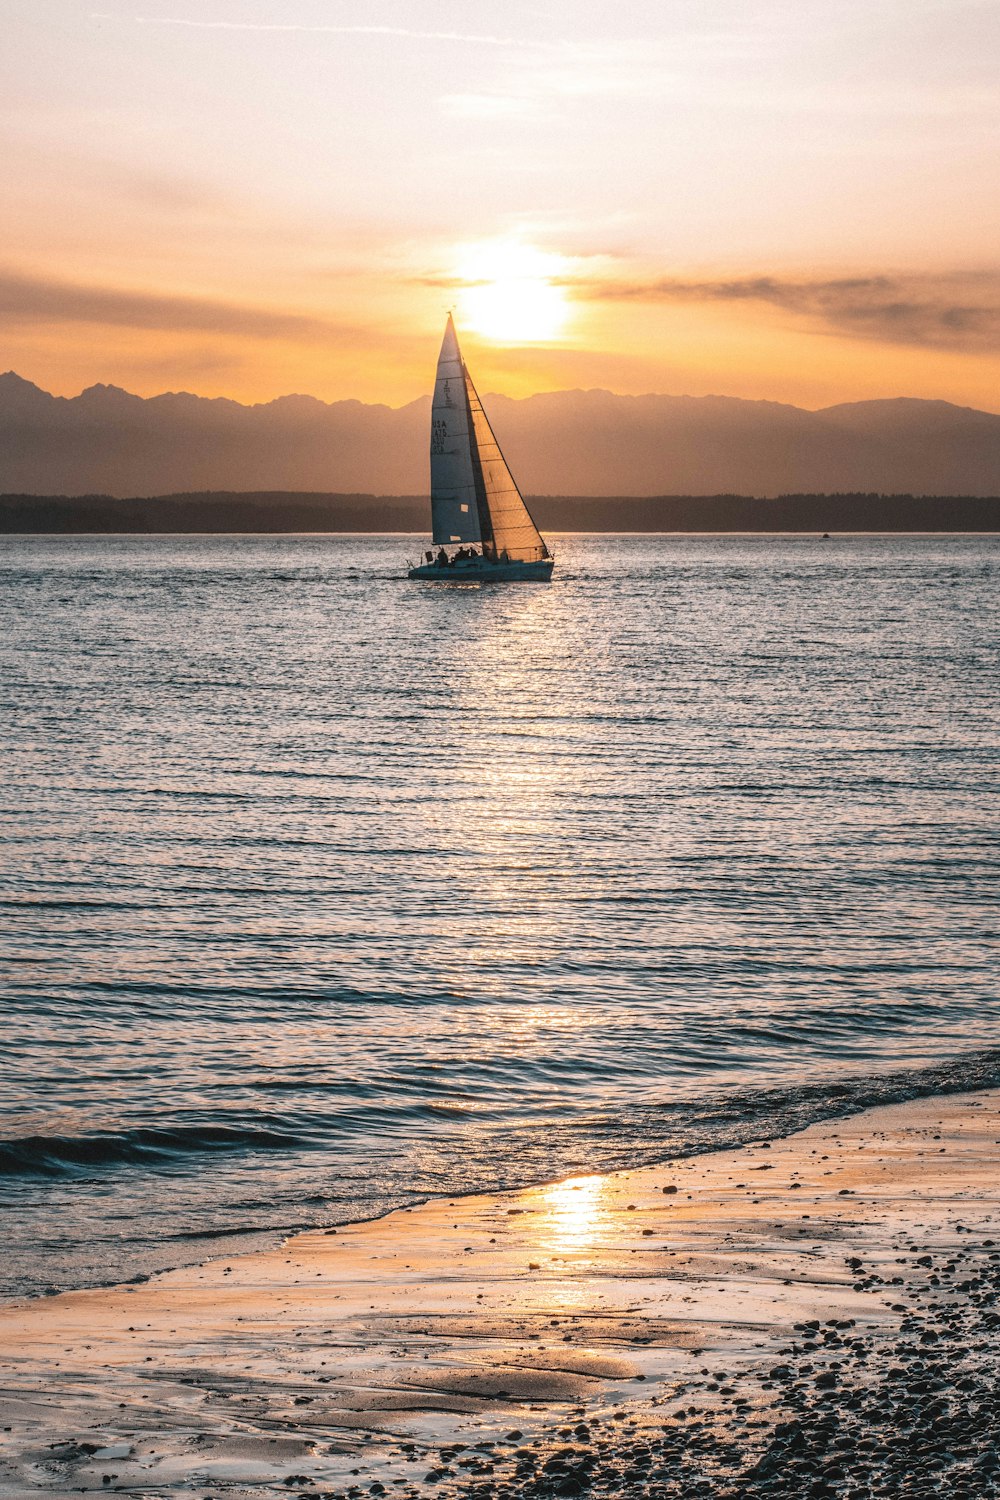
x=574, y=1208
x=509, y=293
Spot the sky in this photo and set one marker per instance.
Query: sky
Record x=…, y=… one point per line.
x=790, y=200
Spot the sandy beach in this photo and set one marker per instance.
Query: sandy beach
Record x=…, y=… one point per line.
x=808, y=1316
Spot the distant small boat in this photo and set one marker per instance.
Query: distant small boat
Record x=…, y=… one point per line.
x=475, y=504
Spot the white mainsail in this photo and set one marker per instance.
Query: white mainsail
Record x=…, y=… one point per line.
x=454, y=504
x=473, y=494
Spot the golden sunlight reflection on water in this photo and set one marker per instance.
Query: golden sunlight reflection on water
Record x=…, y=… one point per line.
x=572, y=1211
x=517, y=784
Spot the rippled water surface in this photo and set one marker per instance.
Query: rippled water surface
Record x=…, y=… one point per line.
x=322, y=890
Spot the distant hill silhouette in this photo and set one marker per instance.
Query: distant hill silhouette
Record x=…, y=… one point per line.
x=583, y=443
x=297, y=511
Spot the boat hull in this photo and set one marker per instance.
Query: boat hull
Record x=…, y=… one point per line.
x=478, y=570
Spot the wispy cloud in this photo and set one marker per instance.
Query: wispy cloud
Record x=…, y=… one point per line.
x=38, y=300
x=490, y=107
x=479, y=38
x=72, y=169
x=959, y=311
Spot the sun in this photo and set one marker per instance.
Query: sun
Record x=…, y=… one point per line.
x=509, y=292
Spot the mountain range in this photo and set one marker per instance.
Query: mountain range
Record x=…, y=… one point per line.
x=584, y=443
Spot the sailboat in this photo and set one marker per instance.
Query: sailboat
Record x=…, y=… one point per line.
x=476, y=507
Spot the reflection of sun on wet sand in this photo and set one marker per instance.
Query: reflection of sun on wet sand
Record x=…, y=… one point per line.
x=622, y=1331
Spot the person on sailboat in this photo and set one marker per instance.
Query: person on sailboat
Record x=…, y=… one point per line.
x=442, y=558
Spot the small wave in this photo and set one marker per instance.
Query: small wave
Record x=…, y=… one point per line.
x=446, y=1110
x=735, y=1117
x=228, y=1232
x=959, y=1075
x=68, y=1156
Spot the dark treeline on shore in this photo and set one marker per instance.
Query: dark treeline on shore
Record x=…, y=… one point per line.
x=295, y=511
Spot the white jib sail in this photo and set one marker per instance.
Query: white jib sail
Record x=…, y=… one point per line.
x=454, y=507
x=513, y=530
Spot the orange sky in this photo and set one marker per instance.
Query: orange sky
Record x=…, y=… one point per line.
x=249, y=197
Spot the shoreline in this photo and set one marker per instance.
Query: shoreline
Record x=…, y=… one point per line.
x=405, y=1351
x=780, y=1112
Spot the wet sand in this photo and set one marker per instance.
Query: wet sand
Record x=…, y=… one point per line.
x=809, y=1316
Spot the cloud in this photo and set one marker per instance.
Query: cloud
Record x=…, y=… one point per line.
x=288, y=26
x=960, y=311
x=37, y=300
x=186, y=365
x=66, y=168
x=157, y=190
x=490, y=107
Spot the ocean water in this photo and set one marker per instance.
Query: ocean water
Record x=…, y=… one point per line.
x=322, y=891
